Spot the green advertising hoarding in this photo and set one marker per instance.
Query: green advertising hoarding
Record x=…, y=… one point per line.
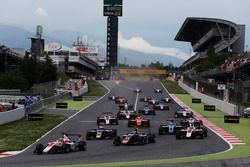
x=112, y=2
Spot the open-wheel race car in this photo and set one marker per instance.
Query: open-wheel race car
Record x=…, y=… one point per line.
x=137, y=90
x=107, y=118
x=120, y=100
x=126, y=106
x=113, y=98
x=153, y=101
x=62, y=145
x=139, y=122
x=134, y=138
x=169, y=127
x=167, y=99
x=145, y=99
x=101, y=133
x=146, y=110
x=126, y=114
x=191, y=128
x=158, y=90
x=161, y=106
x=184, y=113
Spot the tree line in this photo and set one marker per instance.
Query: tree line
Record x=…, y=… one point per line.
x=29, y=72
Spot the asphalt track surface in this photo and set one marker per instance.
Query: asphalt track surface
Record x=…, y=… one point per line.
x=99, y=151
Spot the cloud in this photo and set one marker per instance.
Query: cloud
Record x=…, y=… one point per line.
x=40, y=12
x=140, y=45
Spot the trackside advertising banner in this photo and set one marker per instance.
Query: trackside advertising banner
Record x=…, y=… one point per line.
x=142, y=71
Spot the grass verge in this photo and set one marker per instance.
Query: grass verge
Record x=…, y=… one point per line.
x=173, y=87
x=73, y=105
x=95, y=89
x=20, y=134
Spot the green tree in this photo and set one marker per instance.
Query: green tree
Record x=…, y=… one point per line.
x=47, y=71
x=13, y=80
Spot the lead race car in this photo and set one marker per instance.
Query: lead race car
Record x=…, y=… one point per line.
x=62, y=145
x=139, y=122
x=101, y=133
x=107, y=118
x=134, y=138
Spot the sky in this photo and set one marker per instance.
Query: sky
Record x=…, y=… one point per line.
x=147, y=26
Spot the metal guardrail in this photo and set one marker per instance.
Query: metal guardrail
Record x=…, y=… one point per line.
x=40, y=105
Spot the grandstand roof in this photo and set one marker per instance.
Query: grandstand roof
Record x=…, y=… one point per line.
x=204, y=32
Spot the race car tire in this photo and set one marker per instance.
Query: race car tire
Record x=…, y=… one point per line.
x=160, y=131
x=117, y=141
x=114, y=132
x=153, y=112
x=205, y=133
x=151, y=138
x=88, y=136
x=141, y=140
x=82, y=145
x=177, y=135
x=66, y=148
x=148, y=124
x=39, y=149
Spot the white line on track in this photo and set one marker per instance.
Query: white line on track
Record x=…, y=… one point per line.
x=136, y=100
x=66, y=119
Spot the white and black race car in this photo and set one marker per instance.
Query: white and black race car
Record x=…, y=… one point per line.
x=161, y=106
x=167, y=100
x=137, y=90
x=158, y=90
x=126, y=106
x=153, y=101
x=126, y=114
x=107, y=118
x=62, y=145
x=145, y=99
x=184, y=113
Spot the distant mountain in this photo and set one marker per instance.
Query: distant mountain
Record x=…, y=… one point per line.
x=17, y=37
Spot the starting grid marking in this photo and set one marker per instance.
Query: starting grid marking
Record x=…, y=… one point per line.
x=226, y=135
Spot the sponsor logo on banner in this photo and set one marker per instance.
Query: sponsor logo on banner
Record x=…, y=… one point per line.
x=87, y=50
x=54, y=47
x=231, y=119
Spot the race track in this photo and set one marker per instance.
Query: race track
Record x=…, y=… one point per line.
x=166, y=146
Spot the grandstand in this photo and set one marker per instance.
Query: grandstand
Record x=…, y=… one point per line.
x=224, y=37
